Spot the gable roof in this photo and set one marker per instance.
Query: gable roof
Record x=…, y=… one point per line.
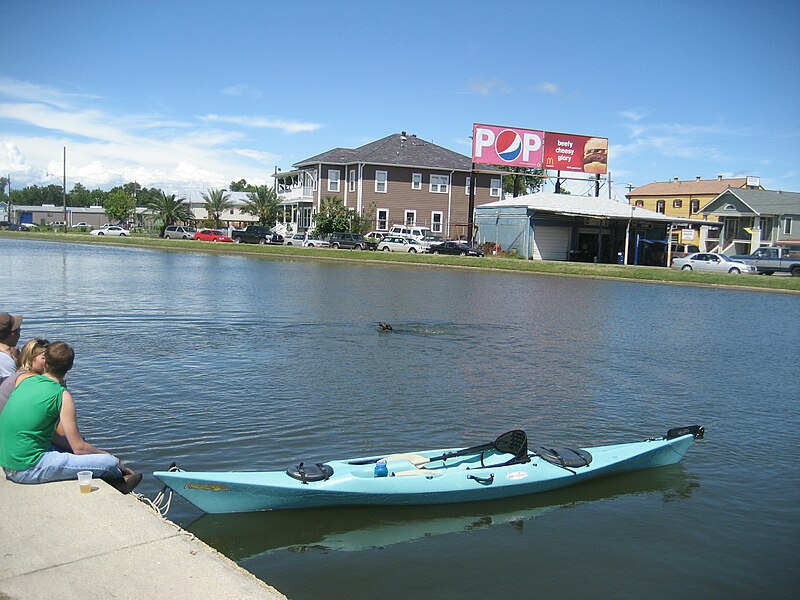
x=692, y=187
x=397, y=149
x=760, y=202
x=584, y=206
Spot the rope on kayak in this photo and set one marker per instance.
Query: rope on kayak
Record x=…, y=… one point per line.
x=163, y=500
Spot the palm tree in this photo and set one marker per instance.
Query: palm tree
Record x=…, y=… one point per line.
x=169, y=209
x=217, y=201
x=263, y=205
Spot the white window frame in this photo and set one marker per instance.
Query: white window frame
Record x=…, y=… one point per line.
x=378, y=175
x=416, y=181
x=495, y=187
x=334, y=180
x=410, y=222
x=439, y=184
x=467, y=184
x=351, y=178
x=660, y=206
x=382, y=216
x=787, y=226
x=437, y=221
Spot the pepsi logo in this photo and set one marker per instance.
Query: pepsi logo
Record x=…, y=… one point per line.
x=508, y=145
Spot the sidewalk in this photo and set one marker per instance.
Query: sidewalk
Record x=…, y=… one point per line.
x=58, y=543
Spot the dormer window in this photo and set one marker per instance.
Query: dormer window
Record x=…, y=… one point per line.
x=729, y=207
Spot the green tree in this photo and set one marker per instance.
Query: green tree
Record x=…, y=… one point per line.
x=79, y=196
x=242, y=186
x=169, y=210
x=119, y=205
x=263, y=205
x=216, y=202
x=522, y=181
x=334, y=216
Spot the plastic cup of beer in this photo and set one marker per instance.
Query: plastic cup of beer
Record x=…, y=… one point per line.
x=85, y=481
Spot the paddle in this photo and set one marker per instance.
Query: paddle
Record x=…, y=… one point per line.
x=511, y=442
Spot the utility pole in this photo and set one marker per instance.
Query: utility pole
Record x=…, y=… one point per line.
x=64, y=189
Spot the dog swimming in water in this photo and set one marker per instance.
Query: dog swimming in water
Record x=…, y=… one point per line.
x=384, y=326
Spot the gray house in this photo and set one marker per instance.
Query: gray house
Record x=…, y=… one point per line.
x=753, y=218
x=398, y=179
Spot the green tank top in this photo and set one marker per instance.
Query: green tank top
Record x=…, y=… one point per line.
x=28, y=422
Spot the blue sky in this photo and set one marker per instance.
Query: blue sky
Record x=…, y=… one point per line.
x=187, y=95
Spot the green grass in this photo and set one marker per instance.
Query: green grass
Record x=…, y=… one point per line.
x=500, y=263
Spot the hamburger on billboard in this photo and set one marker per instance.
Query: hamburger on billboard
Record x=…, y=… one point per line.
x=567, y=152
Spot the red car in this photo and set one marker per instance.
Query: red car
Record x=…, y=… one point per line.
x=211, y=235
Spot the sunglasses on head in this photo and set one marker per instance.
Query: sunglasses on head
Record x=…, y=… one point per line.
x=40, y=343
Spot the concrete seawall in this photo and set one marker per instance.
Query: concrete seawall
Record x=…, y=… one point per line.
x=58, y=543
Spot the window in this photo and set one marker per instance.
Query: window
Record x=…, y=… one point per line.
x=677, y=203
x=416, y=181
x=439, y=184
x=787, y=225
x=640, y=203
x=381, y=178
x=660, y=206
x=436, y=222
x=695, y=206
x=351, y=180
x=382, y=221
x=333, y=180
x=410, y=218
x=495, y=187
x=467, y=184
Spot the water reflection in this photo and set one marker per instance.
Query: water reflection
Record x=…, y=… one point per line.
x=353, y=529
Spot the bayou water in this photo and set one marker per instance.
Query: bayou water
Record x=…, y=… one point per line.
x=240, y=363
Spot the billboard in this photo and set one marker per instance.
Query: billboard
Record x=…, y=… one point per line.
x=515, y=147
x=567, y=152
x=507, y=146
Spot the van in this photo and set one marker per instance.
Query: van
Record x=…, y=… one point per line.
x=412, y=231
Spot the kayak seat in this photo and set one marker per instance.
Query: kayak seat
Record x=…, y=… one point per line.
x=563, y=457
x=312, y=472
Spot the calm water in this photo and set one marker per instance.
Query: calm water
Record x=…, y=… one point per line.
x=239, y=363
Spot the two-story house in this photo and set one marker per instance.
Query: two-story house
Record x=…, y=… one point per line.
x=684, y=199
x=397, y=179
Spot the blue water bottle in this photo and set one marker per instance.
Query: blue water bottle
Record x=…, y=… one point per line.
x=380, y=469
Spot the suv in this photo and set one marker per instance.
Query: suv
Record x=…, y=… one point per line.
x=353, y=241
x=683, y=249
x=413, y=231
x=179, y=232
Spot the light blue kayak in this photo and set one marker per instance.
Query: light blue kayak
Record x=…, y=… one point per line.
x=500, y=469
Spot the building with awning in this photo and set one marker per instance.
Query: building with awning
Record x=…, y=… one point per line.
x=548, y=226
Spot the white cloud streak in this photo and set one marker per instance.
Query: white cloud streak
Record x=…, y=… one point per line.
x=262, y=122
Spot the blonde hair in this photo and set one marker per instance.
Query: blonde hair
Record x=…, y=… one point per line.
x=30, y=351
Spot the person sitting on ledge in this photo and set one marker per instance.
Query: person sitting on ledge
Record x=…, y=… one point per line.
x=40, y=406
x=30, y=360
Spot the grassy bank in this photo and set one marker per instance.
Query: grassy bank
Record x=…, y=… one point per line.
x=644, y=274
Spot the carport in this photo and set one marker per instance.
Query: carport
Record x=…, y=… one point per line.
x=547, y=226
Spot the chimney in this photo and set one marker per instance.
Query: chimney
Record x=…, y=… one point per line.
x=719, y=177
x=698, y=178
x=675, y=180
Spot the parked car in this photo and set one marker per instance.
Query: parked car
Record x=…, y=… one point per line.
x=19, y=227
x=110, y=230
x=211, y=235
x=179, y=232
x=396, y=243
x=414, y=231
x=432, y=239
x=353, y=241
x=256, y=234
x=711, y=262
x=376, y=236
x=81, y=224
x=56, y=223
x=781, y=259
x=457, y=248
x=683, y=249
x=310, y=241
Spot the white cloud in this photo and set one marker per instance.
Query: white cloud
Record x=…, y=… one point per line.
x=488, y=87
x=262, y=122
x=242, y=89
x=548, y=87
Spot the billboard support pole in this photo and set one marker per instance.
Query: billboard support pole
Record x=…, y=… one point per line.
x=597, y=185
x=558, y=182
x=471, y=205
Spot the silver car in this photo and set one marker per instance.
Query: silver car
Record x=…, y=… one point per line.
x=179, y=232
x=396, y=243
x=711, y=262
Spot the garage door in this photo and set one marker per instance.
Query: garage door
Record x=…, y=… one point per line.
x=550, y=243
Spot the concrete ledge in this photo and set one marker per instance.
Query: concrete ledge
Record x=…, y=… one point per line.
x=58, y=543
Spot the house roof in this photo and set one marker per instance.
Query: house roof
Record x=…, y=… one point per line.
x=697, y=187
x=397, y=149
x=584, y=206
x=760, y=202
